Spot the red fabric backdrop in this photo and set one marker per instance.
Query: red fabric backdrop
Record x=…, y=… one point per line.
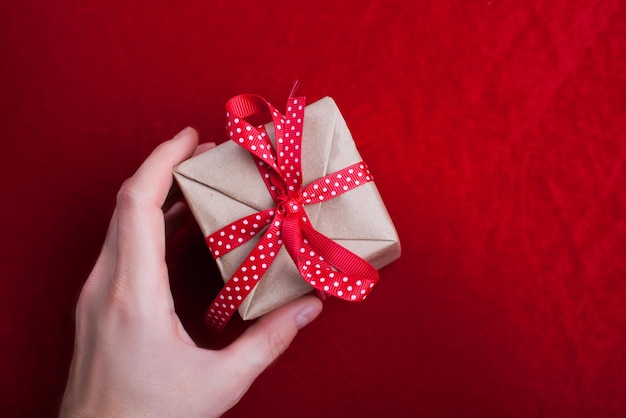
x=497, y=134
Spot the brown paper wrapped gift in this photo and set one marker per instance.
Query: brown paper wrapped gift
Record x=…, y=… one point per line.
x=223, y=185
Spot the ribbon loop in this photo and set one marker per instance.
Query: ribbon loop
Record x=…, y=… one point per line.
x=325, y=265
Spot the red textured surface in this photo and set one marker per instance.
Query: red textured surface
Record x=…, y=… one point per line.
x=497, y=134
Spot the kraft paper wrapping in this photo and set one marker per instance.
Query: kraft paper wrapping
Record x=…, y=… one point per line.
x=223, y=185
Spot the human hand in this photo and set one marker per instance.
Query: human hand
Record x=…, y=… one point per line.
x=132, y=356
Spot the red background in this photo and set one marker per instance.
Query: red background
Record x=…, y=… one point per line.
x=497, y=134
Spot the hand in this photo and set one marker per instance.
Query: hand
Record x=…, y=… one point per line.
x=132, y=356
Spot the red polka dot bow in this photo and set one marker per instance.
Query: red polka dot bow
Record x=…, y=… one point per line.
x=325, y=265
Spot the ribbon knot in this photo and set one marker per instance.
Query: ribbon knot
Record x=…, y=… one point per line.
x=325, y=265
x=292, y=205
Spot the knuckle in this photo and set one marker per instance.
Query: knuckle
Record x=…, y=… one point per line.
x=128, y=196
x=123, y=305
x=117, y=303
x=81, y=309
x=87, y=310
x=84, y=305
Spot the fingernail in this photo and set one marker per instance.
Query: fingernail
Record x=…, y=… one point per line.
x=183, y=132
x=307, y=315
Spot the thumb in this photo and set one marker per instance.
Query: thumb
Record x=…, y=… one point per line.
x=270, y=336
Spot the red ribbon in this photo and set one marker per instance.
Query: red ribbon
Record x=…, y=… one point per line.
x=325, y=265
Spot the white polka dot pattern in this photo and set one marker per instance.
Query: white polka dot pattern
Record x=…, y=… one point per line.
x=238, y=232
x=324, y=264
x=337, y=183
x=245, y=278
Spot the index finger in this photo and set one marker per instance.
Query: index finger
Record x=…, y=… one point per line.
x=141, y=231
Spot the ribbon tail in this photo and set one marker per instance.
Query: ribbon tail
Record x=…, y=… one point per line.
x=325, y=265
x=247, y=276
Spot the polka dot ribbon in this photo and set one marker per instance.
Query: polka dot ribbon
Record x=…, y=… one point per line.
x=325, y=265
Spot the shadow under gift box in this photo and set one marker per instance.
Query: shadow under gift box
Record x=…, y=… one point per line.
x=223, y=185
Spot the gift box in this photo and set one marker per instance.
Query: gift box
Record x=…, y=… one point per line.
x=224, y=185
